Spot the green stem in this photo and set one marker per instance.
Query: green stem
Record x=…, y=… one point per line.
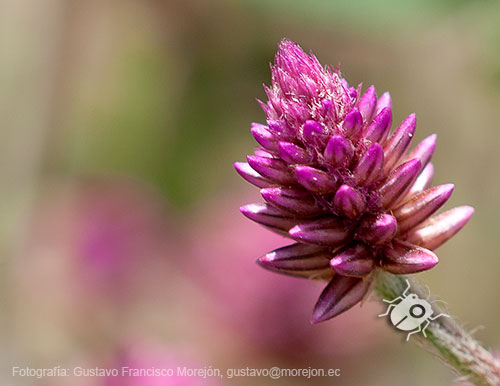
x=446, y=339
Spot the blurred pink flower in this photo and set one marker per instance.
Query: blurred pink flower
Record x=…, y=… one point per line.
x=108, y=233
x=97, y=262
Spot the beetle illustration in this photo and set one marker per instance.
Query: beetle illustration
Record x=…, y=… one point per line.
x=411, y=313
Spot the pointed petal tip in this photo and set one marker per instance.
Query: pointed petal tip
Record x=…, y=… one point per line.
x=240, y=166
x=252, y=159
x=424, y=150
x=438, y=229
x=269, y=257
x=317, y=317
x=398, y=142
x=384, y=101
x=421, y=206
x=370, y=92
x=269, y=193
x=399, y=182
x=341, y=294
x=271, y=168
x=448, y=189
x=265, y=261
x=405, y=258
x=249, y=209
x=468, y=210
x=261, y=261
x=380, y=126
x=431, y=141
x=250, y=175
x=370, y=165
x=263, y=136
x=296, y=233
x=298, y=260
x=431, y=262
x=352, y=123
x=464, y=212
x=268, y=263
x=385, y=95
x=443, y=192
x=267, y=215
x=367, y=103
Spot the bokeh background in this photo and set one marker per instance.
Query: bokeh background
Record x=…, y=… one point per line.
x=120, y=239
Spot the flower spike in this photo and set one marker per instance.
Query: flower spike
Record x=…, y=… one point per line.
x=341, y=185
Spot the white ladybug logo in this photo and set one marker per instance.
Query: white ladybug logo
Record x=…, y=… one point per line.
x=411, y=313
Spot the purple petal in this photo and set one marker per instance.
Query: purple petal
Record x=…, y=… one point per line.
x=349, y=202
x=378, y=229
x=310, y=261
x=269, y=216
x=260, y=152
x=328, y=110
x=435, y=231
x=405, y=258
x=315, y=180
x=264, y=137
x=399, y=182
x=356, y=261
x=273, y=107
x=249, y=174
x=424, y=150
x=421, y=206
x=296, y=113
x=273, y=169
x=263, y=106
x=328, y=231
x=383, y=102
x=367, y=103
x=369, y=166
x=338, y=296
x=338, y=151
x=398, y=142
x=293, y=154
x=379, y=128
x=294, y=200
x=351, y=90
x=423, y=180
x=314, y=134
x=353, y=123
x=281, y=129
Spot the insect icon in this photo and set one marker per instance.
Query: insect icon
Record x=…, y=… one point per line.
x=411, y=313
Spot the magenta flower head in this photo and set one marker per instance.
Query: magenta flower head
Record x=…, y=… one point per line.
x=338, y=182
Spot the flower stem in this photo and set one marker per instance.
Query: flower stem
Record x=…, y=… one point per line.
x=446, y=339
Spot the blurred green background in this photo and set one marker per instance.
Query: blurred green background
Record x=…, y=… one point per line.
x=120, y=121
